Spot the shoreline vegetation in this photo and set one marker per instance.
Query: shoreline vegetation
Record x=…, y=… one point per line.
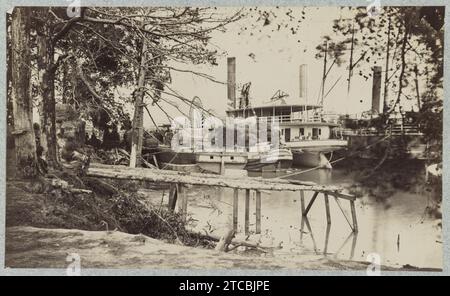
x=391, y=176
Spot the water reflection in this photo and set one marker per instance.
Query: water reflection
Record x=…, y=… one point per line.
x=395, y=228
x=353, y=236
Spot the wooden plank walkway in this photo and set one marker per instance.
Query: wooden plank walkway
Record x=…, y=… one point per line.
x=178, y=180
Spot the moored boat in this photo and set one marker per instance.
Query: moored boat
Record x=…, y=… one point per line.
x=217, y=162
x=303, y=130
x=268, y=159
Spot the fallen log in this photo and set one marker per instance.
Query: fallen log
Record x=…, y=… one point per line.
x=78, y=190
x=225, y=241
x=236, y=242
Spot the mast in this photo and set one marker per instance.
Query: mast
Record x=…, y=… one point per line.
x=350, y=68
x=416, y=80
x=324, y=72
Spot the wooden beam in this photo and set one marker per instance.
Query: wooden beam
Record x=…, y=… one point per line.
x=166, y=176
x=327, y=238
x=183, y=201
x=302, y=201
x=235, y=209
x=343, y=213
x=327, y=208
x=258, y=211
x=247, y=212
x=311, y=234
x=311, y=202
x=355, y=222
x=173, y=195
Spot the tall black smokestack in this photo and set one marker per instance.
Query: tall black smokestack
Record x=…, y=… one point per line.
x=376, y=89
x=231, y=82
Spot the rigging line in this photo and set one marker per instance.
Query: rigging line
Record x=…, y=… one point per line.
x=318, y=94
x=173, y=104
x=168, y=116
x=333, y=86
x=151, y=117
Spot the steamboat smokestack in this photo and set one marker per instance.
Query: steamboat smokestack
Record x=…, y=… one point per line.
x=376, y=89
x=231, y=82
x=303, y=82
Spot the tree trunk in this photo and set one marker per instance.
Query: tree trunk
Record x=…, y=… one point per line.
x=46, y=70
x=138, y=118
x=24, y=140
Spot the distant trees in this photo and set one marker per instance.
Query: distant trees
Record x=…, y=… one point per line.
x=408, y=42
x=401, y=39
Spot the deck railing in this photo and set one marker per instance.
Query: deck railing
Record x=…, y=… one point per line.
x=395, y=129
x=290, y=119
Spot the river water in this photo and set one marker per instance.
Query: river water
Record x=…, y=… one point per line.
x=395, y=230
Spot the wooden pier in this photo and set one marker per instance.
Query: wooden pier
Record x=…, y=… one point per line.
x=179, y=180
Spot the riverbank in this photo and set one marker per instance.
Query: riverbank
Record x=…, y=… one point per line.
x=30, y=247
x=43, y=228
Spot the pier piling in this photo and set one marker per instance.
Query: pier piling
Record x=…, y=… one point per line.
x=247, y=212
x=235, y=208
x=258, y=212
x=327, y=208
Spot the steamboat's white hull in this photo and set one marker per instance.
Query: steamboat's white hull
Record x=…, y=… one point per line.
x=311, y=159
x=315, y=153
x=218, y=162
x=270, y=161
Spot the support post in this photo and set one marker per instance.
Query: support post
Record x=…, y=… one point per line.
x=183, y=201
x=235, y=209
x=258, y=212
x=355, y=223
x=327, y=208
x=310, y=203
x=302, y=201
x=247, y=212
x=173, y=195
x=343, y=213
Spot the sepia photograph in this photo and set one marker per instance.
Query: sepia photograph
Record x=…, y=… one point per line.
x=224, y=138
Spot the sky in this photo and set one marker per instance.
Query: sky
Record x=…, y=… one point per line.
x=271, y=61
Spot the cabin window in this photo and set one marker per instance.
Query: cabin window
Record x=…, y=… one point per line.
x=232, y=157
x=211, y=157
x=302, y=132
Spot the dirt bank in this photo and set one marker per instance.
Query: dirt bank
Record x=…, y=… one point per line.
x=79, y=224
x=30, y=247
